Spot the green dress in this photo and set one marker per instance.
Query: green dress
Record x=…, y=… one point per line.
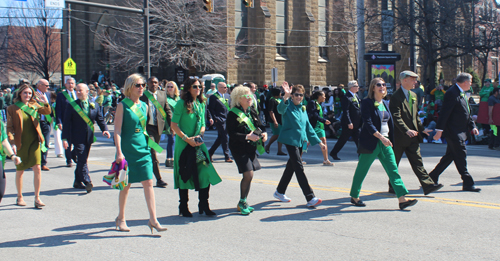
x=188, y=123
x=135, y=146
x=29, y=152
x=320, y=127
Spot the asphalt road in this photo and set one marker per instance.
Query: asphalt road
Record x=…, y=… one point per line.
x=446, y=225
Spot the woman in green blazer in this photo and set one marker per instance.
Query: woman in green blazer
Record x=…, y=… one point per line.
x=295, y=133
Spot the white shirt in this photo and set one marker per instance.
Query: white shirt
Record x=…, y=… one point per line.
x=152, y=110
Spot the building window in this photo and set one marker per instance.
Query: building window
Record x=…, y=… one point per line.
x=240, y=28
x=322, y=29
x=281, y=22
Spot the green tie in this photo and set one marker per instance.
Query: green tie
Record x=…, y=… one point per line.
x=462, y=94
x=410, y=100
x=85, y=106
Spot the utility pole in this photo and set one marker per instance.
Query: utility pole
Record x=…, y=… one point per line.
x=385, y=7
x=360, y=13
x=413, y=54
x=147, y=55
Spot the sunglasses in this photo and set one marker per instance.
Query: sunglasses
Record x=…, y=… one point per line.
x=246, y=96
x=196, y=86
x=139, y=85
x=194, y=77
x=170, y=86
x=298, y=95
x=381, y=85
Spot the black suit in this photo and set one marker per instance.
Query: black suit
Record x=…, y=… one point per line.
x=219, y=111
x=351, y=115
x=61, y=105
x=82, y=137
x=455, y=121
x=45, y=128
x=406, y=118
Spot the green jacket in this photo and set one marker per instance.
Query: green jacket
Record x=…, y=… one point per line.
x=296, y=129
x=485, y=93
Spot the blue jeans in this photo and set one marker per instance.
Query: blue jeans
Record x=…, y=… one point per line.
x=170, y=145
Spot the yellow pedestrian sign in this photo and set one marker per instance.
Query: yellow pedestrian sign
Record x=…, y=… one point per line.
x=69, y=67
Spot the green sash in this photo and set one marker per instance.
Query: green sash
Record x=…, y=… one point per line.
x=158, y=106
x=67, y=96
x=319, y=124
x=84, y=116
x=33, y=113
x=224, y=101
x=142, y=120
x=242, y=117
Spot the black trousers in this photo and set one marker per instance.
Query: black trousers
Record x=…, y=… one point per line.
x=346, y=133
x=3, y=182
x=494, y=140
x=456, y=152
x=68, y=153
x=45, y=128
x=82, y=171
x=294, y=164
x=153, y=133
x=412, y=151
x=221, y=140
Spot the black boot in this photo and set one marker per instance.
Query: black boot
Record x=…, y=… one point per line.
x=183, y=206
x=203, y=205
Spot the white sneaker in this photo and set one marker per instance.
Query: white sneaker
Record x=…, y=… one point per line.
x=281, y=197
x=314, y=202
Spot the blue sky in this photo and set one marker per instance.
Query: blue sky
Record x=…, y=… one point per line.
x=13, y=3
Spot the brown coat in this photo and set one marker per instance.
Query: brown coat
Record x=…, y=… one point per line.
x=15, y=123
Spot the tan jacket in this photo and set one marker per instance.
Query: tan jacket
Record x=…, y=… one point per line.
x=15, y=123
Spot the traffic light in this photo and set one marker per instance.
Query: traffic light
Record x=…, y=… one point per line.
x=208, y=5
x=248, y=3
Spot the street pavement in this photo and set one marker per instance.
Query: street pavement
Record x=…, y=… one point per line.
x=446, y=225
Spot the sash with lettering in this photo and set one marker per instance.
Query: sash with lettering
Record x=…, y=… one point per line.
x=224, y=101
x=159, y=107
x=142, y=120
x=242, y=117
x=33, y=113
x=48, y=118
x=84, y=116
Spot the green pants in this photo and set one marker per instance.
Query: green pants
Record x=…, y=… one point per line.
x=388, y=161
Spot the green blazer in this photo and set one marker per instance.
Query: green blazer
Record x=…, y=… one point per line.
x=296, y=129
x=403, y=118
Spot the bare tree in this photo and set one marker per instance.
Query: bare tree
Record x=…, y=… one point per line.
x=33, y=42
x=181, y=33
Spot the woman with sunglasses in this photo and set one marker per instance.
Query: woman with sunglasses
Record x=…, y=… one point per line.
x=375, y=141
x=188, y=122
x=295, y=134
x=172, y=98
x=246, y=135
x=132, y=144
x=315, y=113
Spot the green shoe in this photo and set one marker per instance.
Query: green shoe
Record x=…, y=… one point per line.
x=248, y=207
x=242, y=208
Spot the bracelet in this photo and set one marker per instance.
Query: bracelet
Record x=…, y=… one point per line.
x=184, y=137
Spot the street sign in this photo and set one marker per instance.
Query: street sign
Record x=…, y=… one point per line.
x=70, y=67
x=54, y=3
x=274, y=75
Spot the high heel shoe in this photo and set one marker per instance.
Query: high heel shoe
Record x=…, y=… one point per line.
x=184, y=211
x=157, y=226
x=39, y=205
x=20, y=202
x=205, y=208
x=119, y=227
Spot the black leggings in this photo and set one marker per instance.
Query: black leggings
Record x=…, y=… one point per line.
x=2, y=182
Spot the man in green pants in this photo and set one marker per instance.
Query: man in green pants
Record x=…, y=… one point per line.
x=408, y=130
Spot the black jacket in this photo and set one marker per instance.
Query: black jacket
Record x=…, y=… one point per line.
x=76, y=130
x=218, y=110
x=238, y=131
x=188, y=168
x=351, y=110
x=372, y=122
x=313, y=113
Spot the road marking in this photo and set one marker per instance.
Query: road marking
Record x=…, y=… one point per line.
x=448, y=201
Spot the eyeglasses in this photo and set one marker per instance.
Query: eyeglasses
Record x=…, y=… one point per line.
x=354, y=86
x=381, y=84
x=196, y=86
x=298, y=95
x=246, y=96
x=194, y=77
x=170, y=86
x=139, y=85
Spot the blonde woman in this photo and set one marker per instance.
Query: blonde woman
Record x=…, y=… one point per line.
x=132, y=145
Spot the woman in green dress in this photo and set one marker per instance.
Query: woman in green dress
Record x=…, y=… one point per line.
x=132, y=144
x=315, y=113
x=172, y=98
x=188, y=122
x=25, y=135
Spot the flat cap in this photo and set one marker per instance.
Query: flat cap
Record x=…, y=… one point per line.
x=405, y=74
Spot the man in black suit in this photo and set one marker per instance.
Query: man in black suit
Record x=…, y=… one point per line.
x=61, y=105
x=408, y=130
x=351, y=118
x=155, y=123
x=219, y=107
x=455, y=121
x=45, y=121
x=81, y=134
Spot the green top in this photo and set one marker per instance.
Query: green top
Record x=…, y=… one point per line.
x=3, y=136
x=485, y=93
x=172, y=102
x=107, y=101
x=296, y=129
